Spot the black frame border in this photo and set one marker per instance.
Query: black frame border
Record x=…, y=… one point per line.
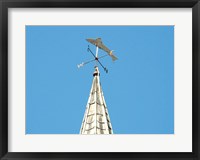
x=6, y=4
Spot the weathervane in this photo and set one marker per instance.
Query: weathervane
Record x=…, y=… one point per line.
x=98, y=43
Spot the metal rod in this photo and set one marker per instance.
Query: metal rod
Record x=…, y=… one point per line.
x=89, y=61
x=96, y=57
x=89, y=50
x=105, y=69
x=97, y=49
x=103, y=56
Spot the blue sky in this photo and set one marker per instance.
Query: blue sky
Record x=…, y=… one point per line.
x=138, y=89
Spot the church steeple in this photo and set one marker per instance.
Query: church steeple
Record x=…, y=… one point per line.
x=96, y=119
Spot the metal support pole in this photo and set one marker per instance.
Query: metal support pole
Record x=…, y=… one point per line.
x=96, y=57
x=97, y=49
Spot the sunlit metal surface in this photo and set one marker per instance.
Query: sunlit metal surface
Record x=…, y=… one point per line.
x=96, y=119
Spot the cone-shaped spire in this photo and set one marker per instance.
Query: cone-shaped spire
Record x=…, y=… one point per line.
x=96, y=119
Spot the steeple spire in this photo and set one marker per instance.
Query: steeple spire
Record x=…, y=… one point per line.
x=96, y=119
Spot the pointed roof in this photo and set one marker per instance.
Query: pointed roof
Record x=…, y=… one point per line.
x=96, y=119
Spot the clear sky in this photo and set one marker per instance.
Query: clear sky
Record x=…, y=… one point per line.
x=138, y=89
